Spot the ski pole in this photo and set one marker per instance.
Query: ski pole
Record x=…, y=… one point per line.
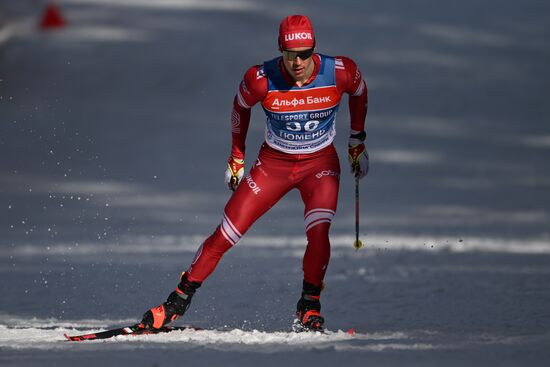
x=357, y=244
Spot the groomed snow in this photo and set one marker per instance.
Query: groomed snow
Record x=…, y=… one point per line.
x=114, y=133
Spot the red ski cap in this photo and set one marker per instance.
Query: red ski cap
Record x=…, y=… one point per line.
x=296, y=31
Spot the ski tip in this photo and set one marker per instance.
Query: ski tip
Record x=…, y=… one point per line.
x=77, y=338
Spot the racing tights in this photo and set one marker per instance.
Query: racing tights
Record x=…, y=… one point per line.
x=316, y=175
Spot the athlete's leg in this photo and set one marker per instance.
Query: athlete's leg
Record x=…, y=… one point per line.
x=319, y=191
x=256, y=193
x=259, y=191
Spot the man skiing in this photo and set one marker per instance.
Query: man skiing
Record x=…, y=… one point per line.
x=300, y=93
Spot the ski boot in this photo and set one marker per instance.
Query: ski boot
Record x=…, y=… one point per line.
x=308, y=310
x=177, y=303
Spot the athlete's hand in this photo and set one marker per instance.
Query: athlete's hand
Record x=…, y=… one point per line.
x=234, y=172
x=358, y=156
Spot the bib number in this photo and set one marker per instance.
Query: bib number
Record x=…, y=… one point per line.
x=295, y=126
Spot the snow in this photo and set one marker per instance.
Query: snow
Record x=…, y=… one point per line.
x=114, y=133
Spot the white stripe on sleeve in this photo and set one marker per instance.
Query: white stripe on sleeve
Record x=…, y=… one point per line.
x=241, y=100
x=360, y=89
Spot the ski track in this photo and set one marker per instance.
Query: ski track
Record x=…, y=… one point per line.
x=18, y=333
x=48, y=334
x=238, y=340
x=50, y=337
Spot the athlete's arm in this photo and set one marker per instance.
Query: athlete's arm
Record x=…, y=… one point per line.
x=253, y=89
x=349, y=80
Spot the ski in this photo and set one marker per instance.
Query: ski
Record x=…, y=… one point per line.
x=139, y=330
x=129, y=330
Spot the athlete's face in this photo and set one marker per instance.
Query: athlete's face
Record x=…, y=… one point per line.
x=299, y=63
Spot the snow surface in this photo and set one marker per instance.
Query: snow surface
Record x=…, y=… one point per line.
x=114, y=133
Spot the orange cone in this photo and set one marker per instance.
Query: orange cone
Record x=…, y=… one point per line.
x=52, y=18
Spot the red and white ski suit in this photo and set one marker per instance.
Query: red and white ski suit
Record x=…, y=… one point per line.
x=298, y=153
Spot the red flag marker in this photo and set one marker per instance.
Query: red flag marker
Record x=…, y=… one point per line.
x=52, y=18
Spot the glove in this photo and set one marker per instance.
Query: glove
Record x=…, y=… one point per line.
x=234, y=172
x=357, y=155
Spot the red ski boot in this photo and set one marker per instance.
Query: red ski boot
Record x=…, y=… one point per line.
x=308, y=310
x=177, y=303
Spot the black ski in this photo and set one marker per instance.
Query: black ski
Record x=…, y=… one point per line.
x=139, y=330
x=129, y=330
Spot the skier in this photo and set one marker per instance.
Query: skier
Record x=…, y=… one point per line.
x=300, y=92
